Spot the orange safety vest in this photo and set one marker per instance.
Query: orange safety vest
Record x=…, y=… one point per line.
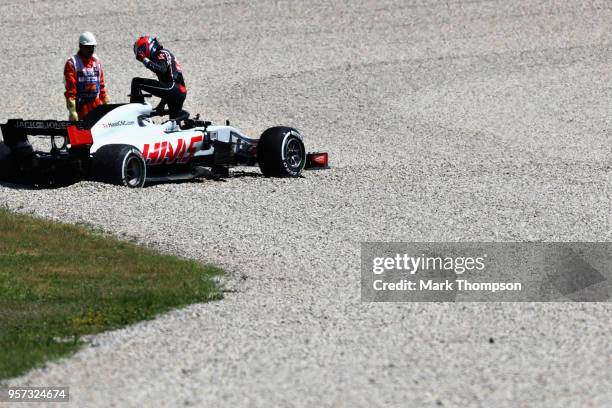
x=88, y=80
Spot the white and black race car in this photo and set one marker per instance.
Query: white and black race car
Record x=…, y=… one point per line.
x=122, y=144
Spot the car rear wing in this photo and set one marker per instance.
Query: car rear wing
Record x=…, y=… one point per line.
x=15, y=132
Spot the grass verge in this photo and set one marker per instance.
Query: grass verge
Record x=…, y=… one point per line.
x=59, y=282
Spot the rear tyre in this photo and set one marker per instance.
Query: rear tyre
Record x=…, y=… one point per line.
x=6, y=166
x=281, y=152
x=122, y=165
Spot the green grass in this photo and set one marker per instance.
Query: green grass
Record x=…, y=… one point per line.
x=59, y=282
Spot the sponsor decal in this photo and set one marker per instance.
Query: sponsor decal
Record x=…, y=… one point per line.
x=42, y=124
x=118, y=123
x=179, y=151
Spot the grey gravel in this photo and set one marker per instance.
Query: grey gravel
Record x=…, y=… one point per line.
x=445, y=121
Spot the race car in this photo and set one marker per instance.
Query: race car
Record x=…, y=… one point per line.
x=122, y=144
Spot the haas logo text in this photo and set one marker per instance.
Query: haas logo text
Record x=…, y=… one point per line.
x=178, y=151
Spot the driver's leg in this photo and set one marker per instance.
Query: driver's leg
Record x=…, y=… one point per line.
x=160, y=106
x=151, y=86
x=136, y=90
x=175, y=101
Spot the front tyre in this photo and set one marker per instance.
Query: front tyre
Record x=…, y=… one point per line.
x=281, y=152
x=122, y=165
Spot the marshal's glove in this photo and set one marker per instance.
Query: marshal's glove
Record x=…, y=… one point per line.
x=73, y=116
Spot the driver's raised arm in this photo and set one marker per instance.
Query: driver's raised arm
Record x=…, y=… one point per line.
x=161, y=66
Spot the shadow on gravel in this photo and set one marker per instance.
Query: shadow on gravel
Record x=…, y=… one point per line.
x=53, y=186
x=240, y=174
x=206, y=179
x=32, y=186
x=14, y=186
x=188, y=181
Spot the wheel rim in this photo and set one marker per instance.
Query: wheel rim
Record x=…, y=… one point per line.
x=133, y=171
x=294, y=153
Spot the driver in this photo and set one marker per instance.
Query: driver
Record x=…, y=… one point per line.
x=170, y=86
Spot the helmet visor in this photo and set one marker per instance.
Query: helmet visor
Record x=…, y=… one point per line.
x=140, y=49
